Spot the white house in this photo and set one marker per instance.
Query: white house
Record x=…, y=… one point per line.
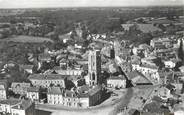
x=148, y=71
x=116, y=82
x=3, y=91
x=45, y=80
x=169, y=64
x=33, y=93
x=182, y=69
x=17, y=107
x=55, y=95
x=164, y=93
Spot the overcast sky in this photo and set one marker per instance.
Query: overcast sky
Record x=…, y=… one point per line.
x=78, y=3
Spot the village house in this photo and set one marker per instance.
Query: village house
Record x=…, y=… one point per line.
x=17, y=107
x=138, y=78
x=20, y=88
x=164, y=93
x=126, y=67
x=116, y=82
x=3, y=90
x=178, y=88
x=85, y=97
x=159, y=43
x=55, y=95
x=135, y=59
x=72, y=72
x=33, y=93
x=149, y=61
x=150, y=71
x=138, y=51
x=170, y=63
x=63, y=63
x=181, y=69
x=46, y=80
x=142, y=50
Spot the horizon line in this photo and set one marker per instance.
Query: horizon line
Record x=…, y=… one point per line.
x=131, y=6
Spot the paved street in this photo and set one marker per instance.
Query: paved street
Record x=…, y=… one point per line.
x=111, y=108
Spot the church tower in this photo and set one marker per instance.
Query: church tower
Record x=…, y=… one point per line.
x=94, y=67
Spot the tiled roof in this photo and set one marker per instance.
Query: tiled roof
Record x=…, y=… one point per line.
x=24, y=104
x=17, y=84
x=121, y=77
x=69, y=93
x=55, y=90
x=10, y=101
x=155, y=107
x=33, y=89
x=133, y=74
x=3, y=85
x=94, y=90
x=143, y=80
x=84, y=91
x=149, y=66
x=47, y=76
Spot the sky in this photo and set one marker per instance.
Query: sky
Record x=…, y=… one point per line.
x=84, y=3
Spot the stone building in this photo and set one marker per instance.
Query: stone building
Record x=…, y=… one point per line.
x=94, y=67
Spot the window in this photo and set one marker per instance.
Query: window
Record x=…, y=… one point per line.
x=69, y=104
x=93, y=64
x=93, y=76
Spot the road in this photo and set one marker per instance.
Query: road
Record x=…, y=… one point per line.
x=123, y=102
x=111, y=109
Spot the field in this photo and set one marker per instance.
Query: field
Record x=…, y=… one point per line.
x=27, y=39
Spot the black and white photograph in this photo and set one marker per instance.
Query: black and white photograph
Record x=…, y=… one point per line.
x=91, y=57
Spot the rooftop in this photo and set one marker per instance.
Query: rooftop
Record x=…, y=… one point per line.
x=133, y=74
x=17, y=84
x=33, y=89
x=83, y=92
x=55, y=90
x=3, y=85
x=120, y=77
x=24, y=104
x=149, y=66
x=155, y=107
x=86, y=91
x=10, y=101
x=47, y=76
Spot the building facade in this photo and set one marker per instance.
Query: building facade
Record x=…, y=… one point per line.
x=116, y=82
x=68, y=71
x=55, y=95
x=33, y=93
x=83, y=97
x=20, y=88
x=148, y=70
x=3, y=91
x=17, y=107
